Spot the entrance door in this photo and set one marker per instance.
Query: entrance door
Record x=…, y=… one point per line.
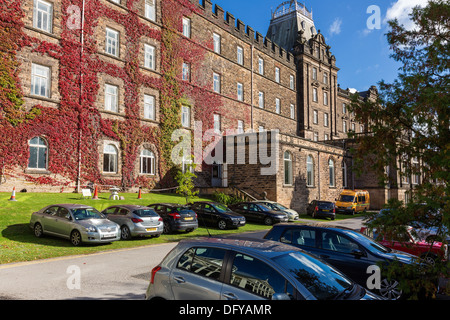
x=216, y=175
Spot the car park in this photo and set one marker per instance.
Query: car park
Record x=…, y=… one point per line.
x=76, y=222
x=257, y=212
x=292, y=214
x=349, y=251
x=231, y=268
x=218, y=215
x=176, y=217
x=135, y=220
x=321, y=209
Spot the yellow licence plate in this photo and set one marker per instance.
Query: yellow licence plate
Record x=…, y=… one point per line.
x=151, y=229
x=189, y=218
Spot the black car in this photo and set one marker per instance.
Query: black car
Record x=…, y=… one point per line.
x=176, y=217
x=347, y=250
x=259, y=213
x=217, y=215
x=321, y=209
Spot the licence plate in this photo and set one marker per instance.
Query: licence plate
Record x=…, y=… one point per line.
x=326, y=210
x=242, y=222
x=188, y=218
x=151, y=229
x=108, y=236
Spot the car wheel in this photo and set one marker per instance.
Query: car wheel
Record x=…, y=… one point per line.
x=75, y=238
x=268, y=221
x=222, y=225
x=38, y=232
x=125, y=233
x=389, y=289
x=167, y=228
x=429, y=259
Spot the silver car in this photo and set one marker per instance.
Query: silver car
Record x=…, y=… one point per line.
x=135, y=220
x=292, y=214
x=76, y=222
x=248, y=269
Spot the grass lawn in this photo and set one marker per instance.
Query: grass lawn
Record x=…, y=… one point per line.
x=18, y=243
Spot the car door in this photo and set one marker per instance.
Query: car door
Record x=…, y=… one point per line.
x=310, y=208
x=111, y=213
x=198, y=274
x=63, y=222
x=345, y=254
x=242, y=209
x=49, y=218
x=209, y=214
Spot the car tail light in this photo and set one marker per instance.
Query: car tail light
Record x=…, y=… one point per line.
x=175, y=215
x=316, y=209
x=160, y=219
x=136, y=220
x=154, y=271
x=334, y=210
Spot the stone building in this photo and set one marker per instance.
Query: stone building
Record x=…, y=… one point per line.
x=285, y=81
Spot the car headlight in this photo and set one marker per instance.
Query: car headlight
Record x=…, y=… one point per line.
x=91, y=229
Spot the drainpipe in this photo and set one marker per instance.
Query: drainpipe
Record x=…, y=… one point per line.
x=318, y=172
x=251, y=87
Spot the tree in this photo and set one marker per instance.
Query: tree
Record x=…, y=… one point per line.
x=186, y=184
x=408, y=125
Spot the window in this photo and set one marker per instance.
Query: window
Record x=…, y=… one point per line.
x=40, y=80
x=38, y=154
x=150, y=10
x=325, y=98
x=149, y=56
x=240, y=55
x=42, y=18
x=216, y=82
x=186, y=27
x=325, y=137
x=415, y=171
x=217, y=125
x=240, y=92
x=149, y=107
x=325, y=78
x=344, y=108
x=217, y=42
x=186, y=72
x=187, y=164
x=277, y=74
x=344, y=126
x=315, y=96
x=255, y=276
x=291, y=82
x=147, y=158
x=314, y=73
x=331, y=171
x=206, y=262
x=186, y=116
x=361, y=128
x=109, y=159
x=112, y=42
x=310, y=171
x=315, y=116
x=240, y=127
x=261, y=128
x=261, y=66
x=292, y=111
x=277, y=105
x=316, y=136
x=261, y=99
x=353, y=127
x=299, y=237
x=287, y=168
x=325, y=119
x=111, y=98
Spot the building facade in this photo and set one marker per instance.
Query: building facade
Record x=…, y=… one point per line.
x=103, y=84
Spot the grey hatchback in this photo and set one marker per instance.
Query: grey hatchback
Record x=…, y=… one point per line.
x=135, y=220
x=247, y=269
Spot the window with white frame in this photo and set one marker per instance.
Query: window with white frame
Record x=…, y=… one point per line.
x=277, y=74
x=325, y=137
x=314, y=73
x=292, y=111
x=185, y=116
x=186, y=27
x=40, y=80
x=217, y=124
x=292, y=82
x=240, y=55
x=287, y=168
x=261, y=128
x=42, y=15
x=315, y=117
x=240, y=91
x=315, y=96
x=277, y=105
x=344, y=126
x=261, y=99
x=216, y=82
x=217, y=42
x=147, y=162
x=38, y=153
x=344, y=108
x=325, y=77
x=111, y=98
x=149, y=107
x=353, y=127
x=325, y=98
x=110, y=158
x=316, y=136
x=149, y=56
x=361, y=128
x=186, y=71
x=150, y=10
x=261, y=66
x=331, y=172
x=240, y=127
x=325, y=119
x=310, y=171
x=112, y=42
x=187, y=164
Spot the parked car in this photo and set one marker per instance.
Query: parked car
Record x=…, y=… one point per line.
x=176, y=217
x=76, y=222
x=292, y=214
x=135, y=220
x=218, y=215
x=247, y=269
x=321, y=209
x=409, y=242
x=259, y=213
x=353, y=201
x=345, y=249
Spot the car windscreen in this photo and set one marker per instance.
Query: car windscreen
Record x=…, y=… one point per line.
x=263, y=207
x=145, y=213
x=322, y=280
x=221, y=208
x=346, y=198
x=325, y=205
x=279, y=206
x=87, y=213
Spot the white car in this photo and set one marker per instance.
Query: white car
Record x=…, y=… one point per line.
x=292, y=214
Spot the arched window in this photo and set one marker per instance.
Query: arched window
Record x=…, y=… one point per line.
x=332, y=175
x=110, y=156
x=38, y=153
x=310, y=171
x=147, y=158
x=287, y=168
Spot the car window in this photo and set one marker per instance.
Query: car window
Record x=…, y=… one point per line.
x=303, y=237
x=253, y=207
x=87, y=213
x=243, y=206
x=63, y=213
x=257, y=277
x=335, y=242
x=208, y=208
x=122, y=212
x=206, y=262
x=110, y=210
x=51, y=211
x=145, y=213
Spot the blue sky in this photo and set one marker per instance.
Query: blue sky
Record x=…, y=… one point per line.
x=363, y=55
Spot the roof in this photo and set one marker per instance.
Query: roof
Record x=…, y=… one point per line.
x=128, y=206
x=312, y=225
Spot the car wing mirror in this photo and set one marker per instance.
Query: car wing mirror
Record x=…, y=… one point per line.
x=357, y=253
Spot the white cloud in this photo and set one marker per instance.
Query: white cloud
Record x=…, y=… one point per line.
x=335, y=27
x=401, y=10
